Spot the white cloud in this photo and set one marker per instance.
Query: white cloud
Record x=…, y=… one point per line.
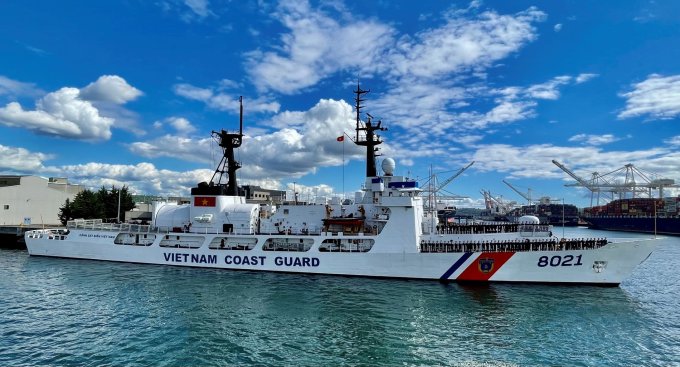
x=406, y=162
x=187, y=10
x=191, y=92
x=468, y=139
x=66, y=113
x=142, y=178
x=14, y=88
x=443, y=109
x=294, y=152
x=433, y=100
x=469, y=203
x=548, y=90
x=584, y=77
x=21, y=160
x=108, y=93
x=253, y=32
x=110, y=88
x=322, y=43
x=188, y=149
x=674, y=141
x=655, y=97
x=287, y=119
x=558, y=27
x=534, y=161
x=225, y=102
x=182, y=125
x=199, y=7
x=589, y=139
x=461, y=44
x=317, y=45
x=60, y=113
x=426, y=67
x=518, y=162
x=309, y=193
x=506, y=111
x=37, y=51
x=229, y=84
x=288, y=152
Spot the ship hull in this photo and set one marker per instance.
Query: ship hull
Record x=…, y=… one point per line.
x=607, y=265
x=665, y=226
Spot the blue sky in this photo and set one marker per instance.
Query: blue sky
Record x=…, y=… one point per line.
x=127, y=93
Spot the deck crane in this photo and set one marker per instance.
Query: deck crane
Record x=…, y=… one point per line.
x=526, y=196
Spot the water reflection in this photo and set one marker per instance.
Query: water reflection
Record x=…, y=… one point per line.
x=87, y=312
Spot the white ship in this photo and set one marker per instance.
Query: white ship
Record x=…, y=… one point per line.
x=386, y=233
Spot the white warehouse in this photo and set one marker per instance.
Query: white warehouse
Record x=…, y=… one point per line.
x=32, y=200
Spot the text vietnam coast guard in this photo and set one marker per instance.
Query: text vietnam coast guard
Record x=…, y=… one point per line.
x=254, y=260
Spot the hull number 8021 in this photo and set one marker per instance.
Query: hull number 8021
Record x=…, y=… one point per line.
x=557, y=260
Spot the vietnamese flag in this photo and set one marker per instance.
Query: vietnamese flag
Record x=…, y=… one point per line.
x=204, y=201
x=341, y=138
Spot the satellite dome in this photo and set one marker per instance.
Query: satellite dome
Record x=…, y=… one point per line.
x=529, y=219
x=388, y=166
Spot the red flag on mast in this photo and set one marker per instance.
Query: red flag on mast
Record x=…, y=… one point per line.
x=341, y=138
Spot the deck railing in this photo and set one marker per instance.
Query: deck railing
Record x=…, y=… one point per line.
x=98, y=224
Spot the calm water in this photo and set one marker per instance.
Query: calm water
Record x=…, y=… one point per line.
x=75, y=312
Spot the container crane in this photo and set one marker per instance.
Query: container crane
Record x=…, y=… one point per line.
x=631, y=182
x=496, y=205
x=582, y=182
x=439, y=186
x=638, y=182
x=434, y=188
x=526, y=196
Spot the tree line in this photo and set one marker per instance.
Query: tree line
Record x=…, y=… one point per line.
x=102, y=204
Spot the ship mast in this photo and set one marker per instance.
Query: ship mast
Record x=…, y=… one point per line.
x=369, y=138
x=228, y=165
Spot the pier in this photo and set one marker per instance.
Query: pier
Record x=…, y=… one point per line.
x=12, y=237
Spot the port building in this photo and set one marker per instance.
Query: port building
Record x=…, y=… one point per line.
x=32, y=200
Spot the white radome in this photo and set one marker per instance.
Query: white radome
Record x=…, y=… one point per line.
x=388, y=166
x=528, y=219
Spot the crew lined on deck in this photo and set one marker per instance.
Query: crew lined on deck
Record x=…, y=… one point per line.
x=552, y=244
x=455, y=228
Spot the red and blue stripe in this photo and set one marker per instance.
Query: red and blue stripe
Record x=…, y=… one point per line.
x=481, y=269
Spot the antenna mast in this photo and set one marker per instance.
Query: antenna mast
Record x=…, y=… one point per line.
x=370, y=139
x=228, y=164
